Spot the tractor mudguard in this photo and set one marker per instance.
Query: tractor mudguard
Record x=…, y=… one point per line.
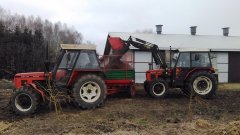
x=198, y=69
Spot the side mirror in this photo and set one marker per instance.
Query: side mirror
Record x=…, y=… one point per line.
x=47, y=65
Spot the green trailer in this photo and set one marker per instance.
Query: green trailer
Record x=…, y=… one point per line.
x=120, y=81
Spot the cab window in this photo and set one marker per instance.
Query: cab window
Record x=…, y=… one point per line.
x=184, y=60
x=174, y=59
x=87, y=60
x=200, y=60
x=68, y=60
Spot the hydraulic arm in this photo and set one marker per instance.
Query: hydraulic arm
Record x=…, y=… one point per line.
x=146, y=46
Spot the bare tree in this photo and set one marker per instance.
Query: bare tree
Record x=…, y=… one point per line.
x=23, y=41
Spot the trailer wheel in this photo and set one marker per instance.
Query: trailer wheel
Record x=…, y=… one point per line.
x=203, y=84
x=24, y=102
x=146, y=88
x=158, y=88
x=89, y=91
x=131, y=92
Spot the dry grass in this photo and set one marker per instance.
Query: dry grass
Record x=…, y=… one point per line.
x=55, y=97
x=201, y=123
x=6, y=84
x=4, y=126
x=229, y=86
x=231, y=128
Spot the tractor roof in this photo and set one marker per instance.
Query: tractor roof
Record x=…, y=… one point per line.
x=194, y=50
x=77, y=47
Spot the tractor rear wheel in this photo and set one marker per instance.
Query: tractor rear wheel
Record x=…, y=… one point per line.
x=203, y=84
x=158, y=88
x=24, y=102
x=89, y=91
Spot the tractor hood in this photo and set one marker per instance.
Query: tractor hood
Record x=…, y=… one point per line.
x=30, y=75
x=21, y=79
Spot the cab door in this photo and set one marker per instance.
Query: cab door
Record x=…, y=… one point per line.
x=181, y=68
x=65, y=67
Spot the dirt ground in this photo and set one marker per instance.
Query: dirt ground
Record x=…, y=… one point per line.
x=140, y=115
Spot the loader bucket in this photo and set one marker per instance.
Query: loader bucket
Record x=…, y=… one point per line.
x=116, y=43
x=118, y=46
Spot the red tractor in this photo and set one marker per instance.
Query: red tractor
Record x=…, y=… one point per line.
x=77, y=74
x=189, y=69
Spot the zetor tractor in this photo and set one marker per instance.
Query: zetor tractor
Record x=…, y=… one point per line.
x=192, y=72
x=189, y=69
x=76, y=73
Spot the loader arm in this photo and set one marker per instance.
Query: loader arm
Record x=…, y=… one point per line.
x=146, y=46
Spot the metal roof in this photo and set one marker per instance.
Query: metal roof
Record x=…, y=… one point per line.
x=193, y=50
x=77, y=47
x=178, y=41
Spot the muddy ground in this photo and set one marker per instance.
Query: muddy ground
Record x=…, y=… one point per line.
x=140, y=115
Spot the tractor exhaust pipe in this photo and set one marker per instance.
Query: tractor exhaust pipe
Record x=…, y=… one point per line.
x=47, y=62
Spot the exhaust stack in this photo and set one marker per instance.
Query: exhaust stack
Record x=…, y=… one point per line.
x=159, y=29
x=193, y=30
x=225, y=31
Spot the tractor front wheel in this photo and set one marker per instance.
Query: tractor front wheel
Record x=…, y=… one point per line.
x=89, y=91
x=158, y=88
x=24, y=102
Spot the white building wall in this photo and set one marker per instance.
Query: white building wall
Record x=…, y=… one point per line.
x=222, y=66
x=141, y=65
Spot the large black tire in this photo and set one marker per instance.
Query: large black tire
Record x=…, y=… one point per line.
x=24, y=101
x=146, y=88
x=89, y=91
x=131, y=92
x=202, y=83
x=158, y=88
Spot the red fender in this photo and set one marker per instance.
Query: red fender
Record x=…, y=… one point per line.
x=203, y=69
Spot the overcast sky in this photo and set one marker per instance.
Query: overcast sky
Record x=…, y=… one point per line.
x=95, y=18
